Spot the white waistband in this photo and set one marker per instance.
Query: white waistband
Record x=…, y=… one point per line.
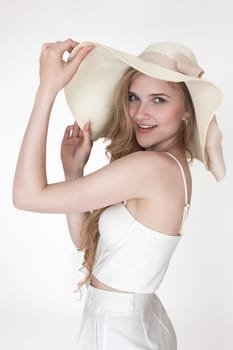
x=116, y=301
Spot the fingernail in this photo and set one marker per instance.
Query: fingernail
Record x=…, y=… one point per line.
x=87, y=126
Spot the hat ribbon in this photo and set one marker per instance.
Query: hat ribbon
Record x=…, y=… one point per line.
x=213, y=150
x=181, y=63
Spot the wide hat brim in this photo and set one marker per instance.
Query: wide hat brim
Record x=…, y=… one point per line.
x=90, y=93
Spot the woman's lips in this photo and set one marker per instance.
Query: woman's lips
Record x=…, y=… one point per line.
x=145, y=128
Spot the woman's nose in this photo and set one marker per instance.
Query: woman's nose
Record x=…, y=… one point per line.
x=143, y=112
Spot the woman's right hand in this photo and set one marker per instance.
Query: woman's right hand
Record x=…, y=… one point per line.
x=55, y=72
x=75, y=149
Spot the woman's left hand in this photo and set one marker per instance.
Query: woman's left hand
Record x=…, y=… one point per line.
x=55, y=72
x=75, y=150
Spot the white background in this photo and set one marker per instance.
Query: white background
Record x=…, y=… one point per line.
x=37, y=308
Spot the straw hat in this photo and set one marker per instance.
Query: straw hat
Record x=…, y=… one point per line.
x=89, y=94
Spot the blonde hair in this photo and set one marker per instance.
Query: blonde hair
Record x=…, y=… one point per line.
x=123, y=142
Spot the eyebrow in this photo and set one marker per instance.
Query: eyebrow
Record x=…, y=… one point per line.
x=159, y=94
x=153, y=95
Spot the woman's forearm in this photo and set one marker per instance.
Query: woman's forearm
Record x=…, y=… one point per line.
x=30, y=175
x=75, y=223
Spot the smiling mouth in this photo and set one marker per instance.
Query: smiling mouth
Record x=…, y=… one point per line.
x=147, y=126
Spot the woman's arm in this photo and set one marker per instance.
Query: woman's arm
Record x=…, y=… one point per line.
x=118, y=181
x=75, y=222
x=30, y=175
x=75, y=151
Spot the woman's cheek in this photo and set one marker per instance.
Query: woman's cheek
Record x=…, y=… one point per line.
x=173, y=115
x=131, y=110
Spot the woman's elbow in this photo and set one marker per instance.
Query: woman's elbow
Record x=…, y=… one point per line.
x=23, y=199
x=20, y=202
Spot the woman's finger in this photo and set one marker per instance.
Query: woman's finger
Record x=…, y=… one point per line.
x=67, y=45
x=87, y=133
x=68, y=131
x=75, y=61
x=72, y=131
x=60, y=46
x=76, y=130
x=73, y=46
x=44, y=46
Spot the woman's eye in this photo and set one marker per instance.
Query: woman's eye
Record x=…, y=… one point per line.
x=159, y=99
x=132, y=97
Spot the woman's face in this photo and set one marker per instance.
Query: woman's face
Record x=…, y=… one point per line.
x=156, y=108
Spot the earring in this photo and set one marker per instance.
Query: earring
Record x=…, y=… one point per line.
x=185, y=122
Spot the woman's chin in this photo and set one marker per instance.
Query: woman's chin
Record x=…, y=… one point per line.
x=146, y=145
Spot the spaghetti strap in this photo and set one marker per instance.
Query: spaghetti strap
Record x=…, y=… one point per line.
x=183, y=175
x=187, y=205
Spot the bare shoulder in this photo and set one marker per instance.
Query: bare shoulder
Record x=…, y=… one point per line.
x=162, y=173
x=170, y=177
x=159, y=164
x=158, y=169
x=149, y=160
x=164, y=193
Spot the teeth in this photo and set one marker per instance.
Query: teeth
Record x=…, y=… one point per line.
x=147, y=126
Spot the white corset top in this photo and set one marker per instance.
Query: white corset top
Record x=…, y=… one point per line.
x=130, y=256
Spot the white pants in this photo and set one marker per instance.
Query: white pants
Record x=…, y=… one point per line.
x=124, y=321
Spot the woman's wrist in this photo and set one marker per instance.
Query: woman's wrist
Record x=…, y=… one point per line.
x=46, y=92
x=70, y=177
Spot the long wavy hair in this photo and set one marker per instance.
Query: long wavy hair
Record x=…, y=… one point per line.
x=122, y=142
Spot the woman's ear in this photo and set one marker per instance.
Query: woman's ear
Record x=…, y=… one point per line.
x=187, y=114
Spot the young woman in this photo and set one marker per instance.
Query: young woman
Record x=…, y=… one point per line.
x=127, y=216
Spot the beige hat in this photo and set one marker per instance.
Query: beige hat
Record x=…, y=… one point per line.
x=90, y=93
